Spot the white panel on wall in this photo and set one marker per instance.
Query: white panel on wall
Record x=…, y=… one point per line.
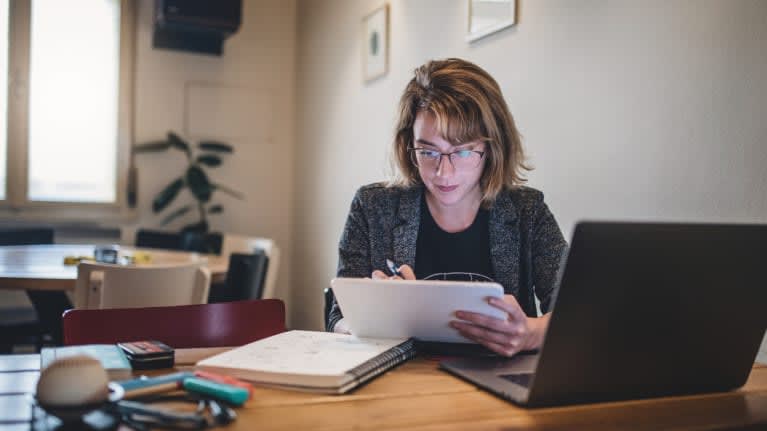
x=227, y=112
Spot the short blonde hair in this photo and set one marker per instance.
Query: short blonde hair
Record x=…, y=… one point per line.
x=467, y=105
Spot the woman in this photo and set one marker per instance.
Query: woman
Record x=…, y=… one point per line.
x=458, y=205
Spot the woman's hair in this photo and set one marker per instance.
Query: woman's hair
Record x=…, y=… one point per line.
x=467, y=105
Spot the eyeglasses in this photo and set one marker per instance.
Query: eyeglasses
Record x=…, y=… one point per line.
x=459, y=276
x=461, y=159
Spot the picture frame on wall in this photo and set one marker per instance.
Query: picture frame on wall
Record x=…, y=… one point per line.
x=489, y=16
x=375, y=43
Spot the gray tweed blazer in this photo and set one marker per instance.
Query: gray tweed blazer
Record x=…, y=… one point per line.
x=526, y=245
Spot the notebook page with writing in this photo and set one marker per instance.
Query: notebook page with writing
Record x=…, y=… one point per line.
x=310, y=359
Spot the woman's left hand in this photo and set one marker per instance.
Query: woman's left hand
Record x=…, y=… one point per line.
x=505, y=337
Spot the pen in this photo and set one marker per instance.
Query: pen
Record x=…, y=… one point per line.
x=393, y=268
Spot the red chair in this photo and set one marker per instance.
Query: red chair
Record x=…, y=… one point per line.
x=183, y=326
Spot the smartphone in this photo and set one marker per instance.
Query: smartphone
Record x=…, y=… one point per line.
x=148, y=354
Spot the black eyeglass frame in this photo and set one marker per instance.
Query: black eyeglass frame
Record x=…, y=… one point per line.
x=413, y=157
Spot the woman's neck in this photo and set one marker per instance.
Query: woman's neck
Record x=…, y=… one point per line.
x=453, y=218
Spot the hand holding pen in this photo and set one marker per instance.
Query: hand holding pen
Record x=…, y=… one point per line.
x=403, y=272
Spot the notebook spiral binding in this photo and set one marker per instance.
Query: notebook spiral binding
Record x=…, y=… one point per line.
x=383, y=362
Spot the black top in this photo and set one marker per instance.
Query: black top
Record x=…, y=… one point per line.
x=438, y=251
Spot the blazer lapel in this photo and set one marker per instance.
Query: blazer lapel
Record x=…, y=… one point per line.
x=405, y=233
x=504, y=243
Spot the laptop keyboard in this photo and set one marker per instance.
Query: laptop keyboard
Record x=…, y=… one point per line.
x=520, y=379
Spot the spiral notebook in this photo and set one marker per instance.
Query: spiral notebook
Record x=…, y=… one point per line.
x=312, y=361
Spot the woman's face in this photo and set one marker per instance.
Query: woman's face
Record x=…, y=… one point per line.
x=449, y=184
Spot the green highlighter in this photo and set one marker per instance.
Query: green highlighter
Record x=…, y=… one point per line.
x=231, y=394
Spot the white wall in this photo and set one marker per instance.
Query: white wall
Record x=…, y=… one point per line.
x=629, y=110
x=245, y=98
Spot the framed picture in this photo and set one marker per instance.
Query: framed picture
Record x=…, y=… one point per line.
x=489, y=16
x=375, y=43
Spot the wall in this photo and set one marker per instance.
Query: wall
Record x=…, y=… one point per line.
x=245, y=98
x=629, y=110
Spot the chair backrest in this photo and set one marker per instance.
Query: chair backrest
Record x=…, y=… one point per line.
x=245, y=275
x=247, y=245
x=147, y=238
x=26, y=236
x=185, y=326
x=140, y=286
x=209, y=242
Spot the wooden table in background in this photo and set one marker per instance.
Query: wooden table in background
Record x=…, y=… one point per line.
x=418, y=396
x=41, y=267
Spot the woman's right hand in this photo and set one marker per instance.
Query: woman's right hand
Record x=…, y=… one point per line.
x=405, y=270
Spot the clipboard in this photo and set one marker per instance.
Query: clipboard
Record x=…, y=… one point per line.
x=420, y=309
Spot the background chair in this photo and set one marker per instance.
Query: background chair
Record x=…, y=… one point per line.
x=23, y=325
x=244, y=278
x=188, y=241
x=140, y=286
x=248, y=245
x=202, y=242
x=185, y=326
x=146, y=238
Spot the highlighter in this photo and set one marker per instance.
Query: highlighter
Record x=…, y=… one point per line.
x=231, y=394
x=220, y=378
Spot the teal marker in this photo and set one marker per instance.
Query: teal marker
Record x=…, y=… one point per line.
x=231, y=394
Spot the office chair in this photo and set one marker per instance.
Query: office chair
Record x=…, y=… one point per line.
x=244, y=278
x=202, y=242
x=184, y=326
x=246, y=244
x=146, y=238
x=26, y=236
x=187, y=241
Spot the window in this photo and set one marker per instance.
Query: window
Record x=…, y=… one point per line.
x=3, y=94
x=67, y=110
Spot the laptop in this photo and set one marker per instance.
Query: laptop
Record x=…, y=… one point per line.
x=642, y=310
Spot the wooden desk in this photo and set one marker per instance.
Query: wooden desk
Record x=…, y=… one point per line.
x=41, y=267
x=417, y=396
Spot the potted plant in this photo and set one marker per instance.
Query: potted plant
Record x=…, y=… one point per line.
x=206, y=155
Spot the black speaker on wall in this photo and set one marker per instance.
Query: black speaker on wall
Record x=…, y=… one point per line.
x=199, y=26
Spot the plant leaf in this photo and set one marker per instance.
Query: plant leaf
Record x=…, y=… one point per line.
x=151, y=147
x=215, y=209
x=198, y=183
x=227, y=190
x=166, y=196
x=177, y=142
x=175, y=214
x=215, y=146
x=209, y=160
